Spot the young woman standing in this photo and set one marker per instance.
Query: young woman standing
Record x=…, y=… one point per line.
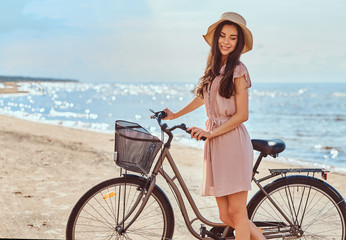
x=228, y=153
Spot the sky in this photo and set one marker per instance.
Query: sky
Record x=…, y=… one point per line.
x=161, y=40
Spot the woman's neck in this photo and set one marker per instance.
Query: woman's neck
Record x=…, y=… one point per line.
x=223, y=60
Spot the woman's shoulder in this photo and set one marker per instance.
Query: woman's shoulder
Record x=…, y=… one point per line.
x=241, y=71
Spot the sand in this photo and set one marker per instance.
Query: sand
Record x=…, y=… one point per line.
x=45, y=169
x=10, y=88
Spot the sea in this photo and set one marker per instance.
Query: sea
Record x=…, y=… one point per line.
x=309, y=117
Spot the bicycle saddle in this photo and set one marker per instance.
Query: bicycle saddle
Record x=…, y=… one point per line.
x=268, y=147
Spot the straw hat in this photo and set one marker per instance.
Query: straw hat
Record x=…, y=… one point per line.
x=236, y=18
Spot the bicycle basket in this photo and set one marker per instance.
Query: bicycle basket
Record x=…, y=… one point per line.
x=135, y=148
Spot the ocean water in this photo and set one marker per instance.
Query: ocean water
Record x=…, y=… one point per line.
x=310, y=118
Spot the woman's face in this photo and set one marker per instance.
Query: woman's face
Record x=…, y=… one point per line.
x=228, y=39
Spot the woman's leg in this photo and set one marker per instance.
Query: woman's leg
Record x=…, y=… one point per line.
x=255, y=232
x=233, y=212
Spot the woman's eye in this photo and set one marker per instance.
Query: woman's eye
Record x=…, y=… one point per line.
x=233, y=38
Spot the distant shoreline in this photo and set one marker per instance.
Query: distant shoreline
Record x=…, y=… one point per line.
x=33, y=79
x=10, y=84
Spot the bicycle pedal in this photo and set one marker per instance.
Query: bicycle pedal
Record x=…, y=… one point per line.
x=212, y=235
x=202, y=230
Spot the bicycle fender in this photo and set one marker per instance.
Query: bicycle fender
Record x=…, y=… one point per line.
x=259, y=192
x=312, y=179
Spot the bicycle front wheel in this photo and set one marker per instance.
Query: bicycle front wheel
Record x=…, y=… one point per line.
x=106, y=209
x=314, y=207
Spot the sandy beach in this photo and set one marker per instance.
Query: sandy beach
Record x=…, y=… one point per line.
x=10, y=88
x=45, y=169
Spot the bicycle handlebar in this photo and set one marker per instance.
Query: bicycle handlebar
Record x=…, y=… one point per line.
x=164, y=127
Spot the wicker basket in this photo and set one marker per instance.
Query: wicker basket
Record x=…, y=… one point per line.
x=135, y=148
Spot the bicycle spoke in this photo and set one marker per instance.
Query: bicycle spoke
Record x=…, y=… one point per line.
x=130, y=203
x=305, y=206
x=291, y=204
x=320, y=215
x=102, y=206
x=112, y=208
x=309, y=206
x=284, y=202
x=319, y=233
x=284, y=208
x=97, y=219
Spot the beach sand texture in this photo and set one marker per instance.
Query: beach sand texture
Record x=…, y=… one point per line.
x=10, y=87
x=45, y=169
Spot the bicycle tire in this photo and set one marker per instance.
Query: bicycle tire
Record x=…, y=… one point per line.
x=99, y=212
x=312, y=205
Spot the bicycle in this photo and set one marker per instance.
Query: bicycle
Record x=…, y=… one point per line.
x=299, y=206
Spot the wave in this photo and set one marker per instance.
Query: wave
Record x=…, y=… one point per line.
x=339, y=94
x=86, y=115
x=279, y=93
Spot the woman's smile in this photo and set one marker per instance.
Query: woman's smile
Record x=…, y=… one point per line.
x=225, y=48
x=228, y=39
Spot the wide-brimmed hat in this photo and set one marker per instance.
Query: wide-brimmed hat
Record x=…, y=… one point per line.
x=236, y=18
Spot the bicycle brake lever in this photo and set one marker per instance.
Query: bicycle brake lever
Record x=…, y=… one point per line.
x=183, y=126
x=153, y=116
x=163, y=114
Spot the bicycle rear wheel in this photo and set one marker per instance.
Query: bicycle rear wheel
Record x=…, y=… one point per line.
x=106, y=209
x=315, y=208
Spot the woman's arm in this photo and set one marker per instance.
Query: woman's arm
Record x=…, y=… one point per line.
x=242, y=105
x=194, y=104
x=242, y=114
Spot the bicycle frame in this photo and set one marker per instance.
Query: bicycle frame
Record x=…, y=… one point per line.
x=158, y=169
x=165, y=154
x=133, y=206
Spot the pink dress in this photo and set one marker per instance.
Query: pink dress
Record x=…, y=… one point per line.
x=228, y=158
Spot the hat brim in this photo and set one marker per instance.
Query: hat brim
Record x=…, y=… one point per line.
x=208, y=37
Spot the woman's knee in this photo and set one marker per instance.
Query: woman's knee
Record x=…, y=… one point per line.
x=226, y=218
x=237, y=214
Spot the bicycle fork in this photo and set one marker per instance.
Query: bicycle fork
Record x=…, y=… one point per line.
x=121, y=228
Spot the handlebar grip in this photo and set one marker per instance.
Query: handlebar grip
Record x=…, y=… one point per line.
x=202, y=138
x=163, y=114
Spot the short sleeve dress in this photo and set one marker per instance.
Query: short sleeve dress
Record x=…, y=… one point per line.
x=228, y=158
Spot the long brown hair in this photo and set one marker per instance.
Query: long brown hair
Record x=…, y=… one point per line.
x=214, y=64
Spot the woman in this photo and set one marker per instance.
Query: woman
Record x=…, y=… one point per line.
x=228, y=154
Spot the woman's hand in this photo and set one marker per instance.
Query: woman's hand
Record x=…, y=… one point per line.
x=198, y=133
x=194, y=104
x=170, y=114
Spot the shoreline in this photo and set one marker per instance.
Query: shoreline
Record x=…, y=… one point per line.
x=8, y=86
x=45, y=169
x=282, y=159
